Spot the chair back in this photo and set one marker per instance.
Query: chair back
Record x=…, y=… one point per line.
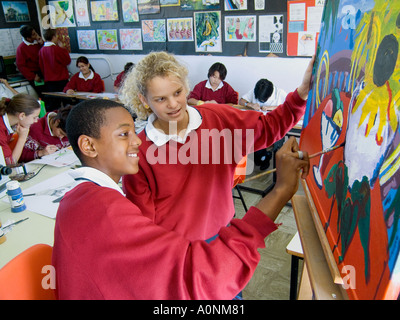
x=22, y=277
x=240, y=172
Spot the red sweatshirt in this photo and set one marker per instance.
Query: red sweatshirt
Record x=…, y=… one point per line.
x=183, y=196
x=27, y=59
x=104, y=248
x=88, y=85
x=226, y=94
x=53, y=62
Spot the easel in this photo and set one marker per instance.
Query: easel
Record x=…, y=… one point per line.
x=321, y=279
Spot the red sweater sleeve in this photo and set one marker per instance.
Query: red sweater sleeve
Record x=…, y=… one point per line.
x=129, y=257
x=98, y=83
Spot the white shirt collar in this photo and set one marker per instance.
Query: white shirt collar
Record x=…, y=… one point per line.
x=51, y=114
x=208, y=85
x=91, y=76
x=49, y=43
x=7, y=123
x=96, y=176
x=29, y=43
x=159, y=138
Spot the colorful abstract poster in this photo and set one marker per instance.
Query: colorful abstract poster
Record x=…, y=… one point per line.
x=149, y=6
x=208, y=31
x=107, y=39
x=104, y=10
x=86, y=39
x=199, y=4
x=16, y=11
x=130, y=11
x=82, y=13
x=240, y=28
x=63, y=15
x=270, y=33
x=180, y=29
x=131, y=39
x=231, y=5
x=354, y=104
x=154, y=30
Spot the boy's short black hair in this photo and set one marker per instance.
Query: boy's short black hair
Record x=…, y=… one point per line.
x=48, y=34
x=218, y=66
x=87, y=118
x=26, y=31
x=263, y=90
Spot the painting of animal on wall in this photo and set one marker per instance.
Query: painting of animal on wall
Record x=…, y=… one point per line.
x=354, y=103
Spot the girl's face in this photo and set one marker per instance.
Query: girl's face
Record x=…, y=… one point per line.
x=166, y=96
x=84, y=68
x=215, y=79
x=26, y=121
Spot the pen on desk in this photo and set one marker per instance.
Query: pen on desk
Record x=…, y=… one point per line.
x=14, y=223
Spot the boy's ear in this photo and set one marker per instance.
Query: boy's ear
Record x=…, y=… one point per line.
x=86, y=146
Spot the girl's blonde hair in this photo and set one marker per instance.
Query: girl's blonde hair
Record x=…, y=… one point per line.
x=21, y=102
x=155, y=64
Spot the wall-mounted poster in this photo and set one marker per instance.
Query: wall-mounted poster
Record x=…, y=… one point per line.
x=270, y=33
x=240, y=28
x=16, y=11
x=149, y=6
x=63, y=15
x=130, y=11
x=354, y=105
x=107, y=39
x=82, y=13
x=235, y=5
x=104, y=10
x=131, y=39
x=154, y=30
x=86, y=39
x=180, y=29
x=208, y=31
x=199, y=4
x=170, y=3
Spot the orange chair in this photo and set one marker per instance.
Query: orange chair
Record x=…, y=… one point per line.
x=21, y=278
x=238, y=177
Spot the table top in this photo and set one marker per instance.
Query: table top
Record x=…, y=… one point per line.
x=84, y=95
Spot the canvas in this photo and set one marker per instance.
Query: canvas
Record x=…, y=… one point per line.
x=354, y=100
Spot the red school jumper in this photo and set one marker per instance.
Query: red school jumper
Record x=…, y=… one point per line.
x=225, y=94
x=27, y=60
x=89, y=85
x=53, y=61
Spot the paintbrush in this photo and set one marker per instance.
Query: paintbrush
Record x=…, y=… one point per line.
x=310, y=157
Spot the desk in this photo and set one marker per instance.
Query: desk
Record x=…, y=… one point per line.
x=83, y=95
x=37, y=229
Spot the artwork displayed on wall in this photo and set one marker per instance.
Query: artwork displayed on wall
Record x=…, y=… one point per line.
x=199, y=4
x=104, y=10
x=355, y=103
x=230, y=5
x=271, y=33
x=131, y=39
x=180, y=29
x=208, y=31
x=240, y=28
x=154, y=30
x=130, y=12
x=87, y=39
x=107, y=39
x=16, y=11
x=63, y=14
x=149, y=6
x=170, y=3
x=82, y=13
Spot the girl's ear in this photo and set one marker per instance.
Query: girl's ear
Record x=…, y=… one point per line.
x=21, y=116
x=142, y=99
x=86, y=146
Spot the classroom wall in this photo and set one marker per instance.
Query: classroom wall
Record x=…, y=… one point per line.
x=243, y=72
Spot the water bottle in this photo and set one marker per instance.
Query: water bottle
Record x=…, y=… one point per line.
x=15, y=196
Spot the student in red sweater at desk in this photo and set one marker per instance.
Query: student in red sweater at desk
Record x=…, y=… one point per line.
x=105, y=248
x=86, y=80
x=47, y=135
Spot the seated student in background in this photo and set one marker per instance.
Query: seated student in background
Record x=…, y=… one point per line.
x=6, y=91
x=137, y=259
x=86, y=80
x=121, y=77
x=264, y=97
x=18, y=114
x=215, y=89
x=47, y=135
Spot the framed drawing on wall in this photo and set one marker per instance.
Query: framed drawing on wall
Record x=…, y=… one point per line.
x=354, y=103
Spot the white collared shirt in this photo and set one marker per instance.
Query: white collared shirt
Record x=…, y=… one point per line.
x=29, y=43
x=100, y=178
x=7, y=124
x=49, y=44
x=91, y=76
x=208, y=85
x=51, y=114
x=160, y=138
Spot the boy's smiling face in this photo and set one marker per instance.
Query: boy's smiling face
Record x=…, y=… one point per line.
x=116, y=152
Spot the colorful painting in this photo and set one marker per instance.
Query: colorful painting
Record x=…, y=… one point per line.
x=170, y=3
x=240, y=28
x=63, y=15
x=149, y=6
x=86, y=39
x=130, y=11
x=180, y=29
x=16, y=11
x=82, y=13
x=131, y=39
x=231, y=5
x=107, y=39
x=354, y=103
x=154, y=30
x=208, y=31
x=104, y=10
x=199, y=4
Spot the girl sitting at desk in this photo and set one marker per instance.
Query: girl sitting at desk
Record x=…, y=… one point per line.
x=17, y=115
x=87, y=80
x=47, y=135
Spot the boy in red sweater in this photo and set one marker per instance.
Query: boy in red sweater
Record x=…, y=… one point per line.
x=105, y=248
